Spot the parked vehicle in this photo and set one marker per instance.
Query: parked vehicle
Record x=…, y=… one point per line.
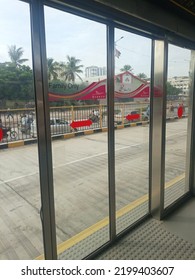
x=57, y=126
x=9, y=132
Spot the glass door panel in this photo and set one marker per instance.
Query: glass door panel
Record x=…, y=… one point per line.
x=76, y=56
x=132, y=113
x=21, y=230
x=176, y=123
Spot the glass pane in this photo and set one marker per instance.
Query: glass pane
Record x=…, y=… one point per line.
x=78, y=107
x=132, y=111
x=20, y=231
x=176, y=124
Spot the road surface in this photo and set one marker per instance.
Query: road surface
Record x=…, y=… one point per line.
x=80, y=169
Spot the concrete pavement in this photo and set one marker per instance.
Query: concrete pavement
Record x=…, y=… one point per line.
x=80, y=184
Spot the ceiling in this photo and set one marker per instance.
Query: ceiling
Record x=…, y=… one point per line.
x=183, y=8
x=187, y=6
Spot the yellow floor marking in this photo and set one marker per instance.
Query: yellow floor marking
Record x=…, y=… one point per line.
x=88, y=132
x=104, y=222
x=69, y=135
x=120, y=126
x=16, y=144
x=174, y=180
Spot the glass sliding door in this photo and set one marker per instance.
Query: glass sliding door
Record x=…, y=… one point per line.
x=20, y=203
x=177, y=105
x=131, y=116
x=76, y=57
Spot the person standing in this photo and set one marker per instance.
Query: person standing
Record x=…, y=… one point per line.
x=9, y=114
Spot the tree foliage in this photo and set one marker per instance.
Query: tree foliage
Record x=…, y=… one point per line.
x=127, y=67
x=172, y=92
x=53, y=68
x=16, y=83
x=71, y=69
x=16, y=80
x=142, y=76
x=15, y=55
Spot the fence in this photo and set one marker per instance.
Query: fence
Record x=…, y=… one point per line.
x=19, y=122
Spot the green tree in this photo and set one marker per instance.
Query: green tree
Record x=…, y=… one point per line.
x=15, y=55
x=52, y=69
x=172, y=92
x=71, y=69
x=126, y=67
x=16, y=83
x=142, y=76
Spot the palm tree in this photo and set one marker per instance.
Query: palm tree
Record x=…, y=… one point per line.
x=72, y=69
x=127, y=67
x=15, y=55
x=52, y=68
x=142, y=76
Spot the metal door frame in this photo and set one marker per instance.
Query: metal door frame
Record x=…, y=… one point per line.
x=157, y=124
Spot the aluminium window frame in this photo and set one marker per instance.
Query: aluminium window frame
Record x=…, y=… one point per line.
x=131, y=24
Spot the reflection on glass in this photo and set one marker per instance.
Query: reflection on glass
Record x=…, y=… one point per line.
x=132, y=112
x=20, y=230
x=76, y=56
x=176, y=125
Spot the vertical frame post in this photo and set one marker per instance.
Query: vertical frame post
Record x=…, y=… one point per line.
x=190, y=153
x=157, y=127
x=111, y=136
x=43, y=129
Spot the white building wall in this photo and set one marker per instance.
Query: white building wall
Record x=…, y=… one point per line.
x=180, y=83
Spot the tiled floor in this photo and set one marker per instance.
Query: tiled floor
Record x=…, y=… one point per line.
x=182, y=221
x=170, y=239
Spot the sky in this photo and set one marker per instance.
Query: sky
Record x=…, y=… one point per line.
x=84, y=39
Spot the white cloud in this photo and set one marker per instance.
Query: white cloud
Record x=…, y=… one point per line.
x=75, y=36
x=14, y=28
x=67, y=34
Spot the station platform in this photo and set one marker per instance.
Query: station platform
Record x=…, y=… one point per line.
x=170, y=239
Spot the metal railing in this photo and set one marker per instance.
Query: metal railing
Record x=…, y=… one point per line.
x=77, y=118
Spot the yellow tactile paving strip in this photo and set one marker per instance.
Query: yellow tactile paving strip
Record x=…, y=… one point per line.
x=104, y=222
